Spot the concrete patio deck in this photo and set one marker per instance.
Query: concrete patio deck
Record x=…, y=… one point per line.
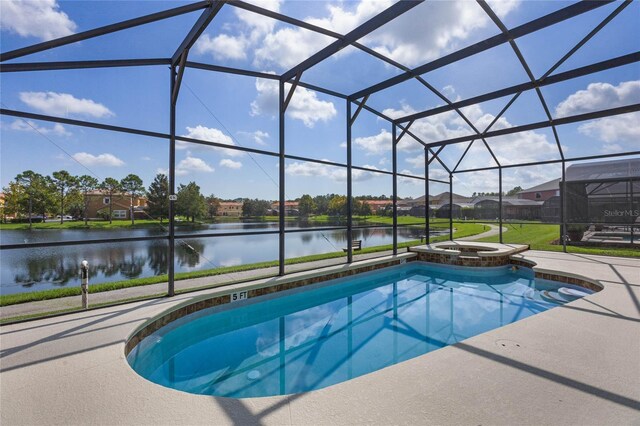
x=575, y=364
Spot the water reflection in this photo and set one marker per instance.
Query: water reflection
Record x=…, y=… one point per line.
x=49, y=267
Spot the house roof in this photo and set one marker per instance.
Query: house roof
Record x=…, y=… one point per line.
x=521, y=202
x=443, y=197
x=602, y=170
x=276, y=204
x=102, y=192
x=378, y=202
x=547, y=186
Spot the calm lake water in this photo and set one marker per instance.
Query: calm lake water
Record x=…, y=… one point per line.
x=25, y=270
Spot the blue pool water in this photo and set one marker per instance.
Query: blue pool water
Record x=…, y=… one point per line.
x=320, y=337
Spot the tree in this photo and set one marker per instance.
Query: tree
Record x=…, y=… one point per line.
x=158, y=197
x=38, y=193
x=337, y=205
x=13, y=194
x=306, y=206
x=64, y=182
x=86, y=184
x=110, y=186
x=322, y=203
x=514, y=191
x=213, y=205
x=191, y=203
x=74, y=204
x=361, y=208
x=133, y=185
x=255, y=207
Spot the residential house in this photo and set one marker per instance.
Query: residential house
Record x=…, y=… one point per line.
x=230, y=208
x=541, y=192
x=378, y=207
x=98, y=202
x=291, y=208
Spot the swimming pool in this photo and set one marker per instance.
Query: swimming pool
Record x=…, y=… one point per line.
x=339, y=330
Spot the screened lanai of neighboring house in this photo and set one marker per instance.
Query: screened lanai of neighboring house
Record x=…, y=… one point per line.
x=264, y=103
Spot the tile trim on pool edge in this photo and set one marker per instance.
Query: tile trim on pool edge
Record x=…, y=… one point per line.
x=292, y=281
x=308, y=278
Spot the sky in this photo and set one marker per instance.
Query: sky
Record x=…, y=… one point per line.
x=242, y=111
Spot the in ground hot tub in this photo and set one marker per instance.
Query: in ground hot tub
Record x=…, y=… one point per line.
x=463, y=253
x=311, y=338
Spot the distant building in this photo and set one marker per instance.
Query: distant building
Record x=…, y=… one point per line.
x=291, y=208
x=230, y=208
x=437, y=201
x=541, y=192
x=378, y=206
x=98, y=202
x=287, y=205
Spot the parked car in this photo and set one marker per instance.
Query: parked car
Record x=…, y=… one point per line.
x=65, y=217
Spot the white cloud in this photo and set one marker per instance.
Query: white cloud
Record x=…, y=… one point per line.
x=377, y=144
x=417, y=162
x=409, y=41
x=612, y=148
x=53, y=103
x=41, y=19
x=208, y=134
x=288, y=47
x=509, y=149
x=259, y=137
x=430, y=129
x=337, y=174
x=105, y=160
x=438, y=173
x=599, y=96
x=619, y=133
x=230, y=163
x=256, y=21
x=621, y=128
x=304, y=106
x=192, y=164
x=223, y=46
x=409, y=181
x=31, y=126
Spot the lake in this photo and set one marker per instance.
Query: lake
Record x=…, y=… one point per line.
x=24, y=270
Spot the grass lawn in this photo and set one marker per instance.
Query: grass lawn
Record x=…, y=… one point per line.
x=540, y=237
x=462, y=230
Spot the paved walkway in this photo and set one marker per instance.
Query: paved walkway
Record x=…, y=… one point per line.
x=495, y=230
x=574, y=364
x=75, y=302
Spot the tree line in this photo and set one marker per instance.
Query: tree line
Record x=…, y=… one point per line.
x=332, y=205
x=33, y=196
